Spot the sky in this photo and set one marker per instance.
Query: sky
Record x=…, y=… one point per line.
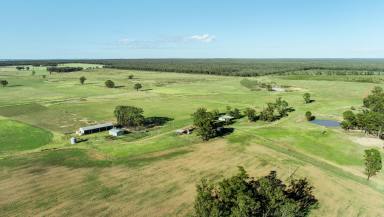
x=72, y=29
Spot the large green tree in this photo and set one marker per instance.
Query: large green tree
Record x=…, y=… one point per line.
x=205, y=123
x=243, y=196
x=372, y=161
x=129, y=116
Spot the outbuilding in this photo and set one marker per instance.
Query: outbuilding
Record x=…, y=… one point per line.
x=94, y=128
x=226, y=118
x=116, y=132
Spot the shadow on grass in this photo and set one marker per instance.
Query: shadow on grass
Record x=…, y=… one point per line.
x=150, y=122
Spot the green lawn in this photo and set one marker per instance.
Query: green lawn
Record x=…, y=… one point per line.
x=16, y=136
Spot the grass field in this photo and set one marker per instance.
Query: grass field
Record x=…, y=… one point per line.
x=154, y=172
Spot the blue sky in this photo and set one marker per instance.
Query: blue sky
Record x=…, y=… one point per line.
x=50, y=29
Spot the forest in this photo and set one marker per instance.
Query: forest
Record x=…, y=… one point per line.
x=231, y=67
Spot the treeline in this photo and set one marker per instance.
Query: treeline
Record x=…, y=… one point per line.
x=64, y=69
x=233, y=67
x=371, y=118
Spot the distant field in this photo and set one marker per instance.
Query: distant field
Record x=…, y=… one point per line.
x=155, y=171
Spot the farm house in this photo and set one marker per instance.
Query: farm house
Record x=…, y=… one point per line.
x=94, y=128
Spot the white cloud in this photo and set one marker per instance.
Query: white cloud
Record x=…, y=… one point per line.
x=164, y=42
x=203, y=38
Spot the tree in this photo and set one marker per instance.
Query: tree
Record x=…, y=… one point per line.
x=307, y=98
x=109, y=84
x=33, y=72
x=137, y=86
x=129, y=116
x=4, y=83
x=350, y=120
x=372, y=161
x=250, y=113
x=130, y=77
x=82, y=80
x=205, y=123
x=27, y=68
x=243, y=196
x=309, y=116
x=282, y=107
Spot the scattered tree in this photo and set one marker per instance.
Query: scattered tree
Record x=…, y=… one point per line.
x=251, y=114
x=43, y=76
x=309, y=116
x=242, y=195
x=82, y=80
x=130, y=77
x=109, y=84
x=307, y=98
x=137, y=86
x=372, y=161
x=27, y=68
x=33, y=72
x=205, y=123
x=275, y=111
x=4, y=83
x=129, y=116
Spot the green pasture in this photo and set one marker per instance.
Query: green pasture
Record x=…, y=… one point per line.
x=39, y=115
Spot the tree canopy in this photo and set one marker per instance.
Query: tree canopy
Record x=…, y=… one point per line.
x=243, y=196
x=371, y=118
x=372, y=161
x=109, y=84
x=307, y=98
x=205, y=123
x=63, y=69
x=82, y=79
x=129, y=116
x=137, y=86
x=3, y=83
x=274, y=111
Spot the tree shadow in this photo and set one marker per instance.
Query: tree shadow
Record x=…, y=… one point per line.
x=147, y=89
x=156, y=121
x=15, y=85
x=224, y=131
x=119, y=86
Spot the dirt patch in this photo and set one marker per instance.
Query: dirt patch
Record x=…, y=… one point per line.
x=368, y=141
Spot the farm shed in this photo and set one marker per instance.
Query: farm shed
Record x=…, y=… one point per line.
x=116, y=132
x=94, y=128
x=226, y=118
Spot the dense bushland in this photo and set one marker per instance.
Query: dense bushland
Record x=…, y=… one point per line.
x=234, y=67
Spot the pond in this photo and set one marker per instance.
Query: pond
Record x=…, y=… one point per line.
x=326, y=123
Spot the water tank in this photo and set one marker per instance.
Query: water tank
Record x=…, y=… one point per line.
x=73, y=140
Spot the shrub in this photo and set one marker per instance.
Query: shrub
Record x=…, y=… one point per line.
x=109, y=84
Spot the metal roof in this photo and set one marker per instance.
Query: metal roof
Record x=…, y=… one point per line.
x=226, y=117
x=115, y=130
x=97, y=126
